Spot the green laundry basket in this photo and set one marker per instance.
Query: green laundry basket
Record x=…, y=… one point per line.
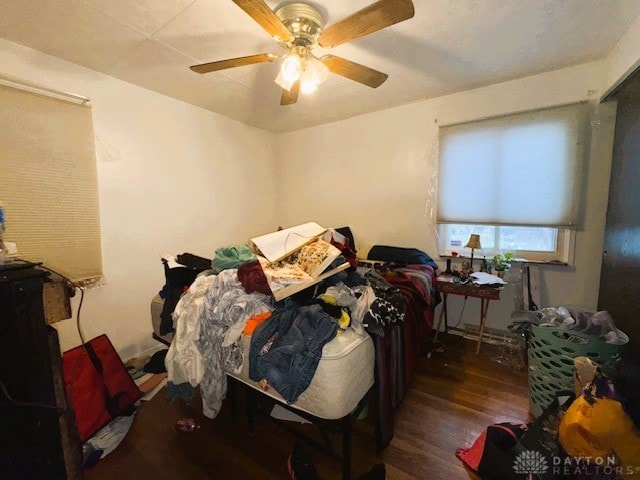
x=551, y=354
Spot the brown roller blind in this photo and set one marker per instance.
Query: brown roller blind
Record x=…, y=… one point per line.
x=48, y=182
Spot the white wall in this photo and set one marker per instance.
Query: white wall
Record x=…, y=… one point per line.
x=623, y=59
x=175, y=178
x=374, y=172
x=172, y=178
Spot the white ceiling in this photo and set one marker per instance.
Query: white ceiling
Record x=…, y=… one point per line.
x=449, y=46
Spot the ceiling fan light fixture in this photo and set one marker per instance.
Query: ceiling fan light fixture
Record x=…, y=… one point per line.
x=299, y=26
x=308, y=84
x=283, y=82
x=315, y=72
x=318, y=70
x=291, y=68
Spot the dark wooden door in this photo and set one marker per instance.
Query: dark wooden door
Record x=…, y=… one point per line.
x=620, y=277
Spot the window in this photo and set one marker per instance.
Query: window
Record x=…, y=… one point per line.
x=532, y=243
x=516, y=180
x=532, y=239
x=49, y=183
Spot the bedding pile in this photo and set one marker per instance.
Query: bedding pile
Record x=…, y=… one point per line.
x=317, y=344
x=286, y=339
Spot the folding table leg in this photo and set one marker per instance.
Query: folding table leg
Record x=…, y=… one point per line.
x=484, y=308
x=233, y=399
x=443, y=313
x=251, y=405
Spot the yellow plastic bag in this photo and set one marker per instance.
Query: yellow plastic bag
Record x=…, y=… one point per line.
x=595, y=426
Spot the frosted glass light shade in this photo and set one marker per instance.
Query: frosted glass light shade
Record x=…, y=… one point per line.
x=315, y=72
x=522, y=169
x=291, y=68
x=318, y=70
x=308, y=84
x=283, y=82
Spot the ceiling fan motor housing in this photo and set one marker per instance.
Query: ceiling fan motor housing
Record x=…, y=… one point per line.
x=304, y=21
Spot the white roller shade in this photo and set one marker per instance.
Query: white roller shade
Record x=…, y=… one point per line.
x=522, y=169
x=48, y=182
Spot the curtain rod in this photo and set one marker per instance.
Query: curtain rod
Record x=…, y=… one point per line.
x=26, y=84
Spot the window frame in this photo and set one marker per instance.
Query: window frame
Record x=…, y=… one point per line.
x=563, y=254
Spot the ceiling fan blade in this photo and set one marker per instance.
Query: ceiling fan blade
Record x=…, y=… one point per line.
x=290, y=97
x=266, y=18
x=354, y=71
x=233, y=62
x=368, y=20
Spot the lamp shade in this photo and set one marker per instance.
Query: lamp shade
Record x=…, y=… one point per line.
x=474, y=241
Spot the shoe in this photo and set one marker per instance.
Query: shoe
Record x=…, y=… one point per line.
x=299, y=464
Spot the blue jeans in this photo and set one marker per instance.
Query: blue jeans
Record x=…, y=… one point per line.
x=286, y=349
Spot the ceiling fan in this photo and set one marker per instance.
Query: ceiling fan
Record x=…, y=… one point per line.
x=299, y=28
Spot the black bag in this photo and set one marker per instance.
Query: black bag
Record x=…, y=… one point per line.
x=400, y=256
x=178, y=279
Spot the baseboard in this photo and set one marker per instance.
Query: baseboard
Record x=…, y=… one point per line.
x=490, y=335
x=155, y=348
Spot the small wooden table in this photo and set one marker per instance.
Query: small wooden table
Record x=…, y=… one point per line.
x=484, y=292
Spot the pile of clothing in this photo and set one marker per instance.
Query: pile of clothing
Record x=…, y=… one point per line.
x=232, y=298
x=597, y=324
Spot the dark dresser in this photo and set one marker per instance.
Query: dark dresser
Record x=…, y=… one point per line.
x=38, y=438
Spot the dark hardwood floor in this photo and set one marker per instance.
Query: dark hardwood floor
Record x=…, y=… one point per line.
x=453, y=396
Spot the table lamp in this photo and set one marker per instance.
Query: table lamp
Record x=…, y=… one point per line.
x=473, y=243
